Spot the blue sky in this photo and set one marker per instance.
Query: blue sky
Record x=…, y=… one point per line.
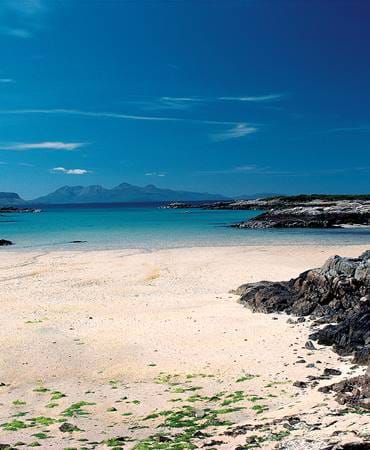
x=231, y=96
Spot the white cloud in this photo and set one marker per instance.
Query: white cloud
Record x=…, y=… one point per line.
x=358, y=128
x=114, y=115
x=7, y=80
x=155, y=174
x=22, y=17
x=257, y=170
x=176, y=102
x=54, y=145
x=69, y=171
x=254, y=98
x=237, y=131
x=16, y=32
x=251, y=168
x=182, y=103
x=24, y=7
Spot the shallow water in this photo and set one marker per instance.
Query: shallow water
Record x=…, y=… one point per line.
x=144, y=226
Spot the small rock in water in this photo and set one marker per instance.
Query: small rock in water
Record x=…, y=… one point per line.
x=4, y=242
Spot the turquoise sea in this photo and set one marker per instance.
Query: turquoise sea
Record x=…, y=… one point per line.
x=147, y=226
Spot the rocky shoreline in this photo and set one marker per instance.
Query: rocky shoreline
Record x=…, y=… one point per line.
x=15, y=209
x=336, y=298
x=339, y=215
x=336, y=295
x=296, y=212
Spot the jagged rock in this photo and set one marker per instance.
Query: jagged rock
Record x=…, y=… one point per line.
x=309, y=345
x=312, y=216
x=354, y=392
x=337, y=294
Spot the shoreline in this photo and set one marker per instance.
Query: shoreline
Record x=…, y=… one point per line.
x=135, y=334
x=69, y=247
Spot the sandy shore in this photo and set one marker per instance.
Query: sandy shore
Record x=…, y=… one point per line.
x=134, y=334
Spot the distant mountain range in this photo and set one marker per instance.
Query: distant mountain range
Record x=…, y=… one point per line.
x=10, y=199
x=122, y=193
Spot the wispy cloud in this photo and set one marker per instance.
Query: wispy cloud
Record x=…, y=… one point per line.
x=22, y=17
x=7, y=80
x=103, y=114
x=258, y=170
x=251, y=168
x=24, y=7
x=22, y=146
x=181, y=103
x=69, y=171
x=177, y=102
x=155, y=174
x=344, y=129
x=16, y=32
x=253, y=98
x=237, y=131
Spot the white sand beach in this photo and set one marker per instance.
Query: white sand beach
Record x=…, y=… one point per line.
x=133, y=334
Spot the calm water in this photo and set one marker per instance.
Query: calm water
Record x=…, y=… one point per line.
x=149, y=227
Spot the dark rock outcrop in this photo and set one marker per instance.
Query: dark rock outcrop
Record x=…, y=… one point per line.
x=337, y=294
x=5, y=242
x=354, y=392
x=309, y=216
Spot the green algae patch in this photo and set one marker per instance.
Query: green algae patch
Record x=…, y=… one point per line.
x=259, y=409
x=116, y=441
x=235, y=397
x=41, y=421
x=20, y=414
x=41, y=435
x=51, y=405
x=76, y=409
x=57, y=395
x=246, y=377
x=41, y=389
x=14, y=425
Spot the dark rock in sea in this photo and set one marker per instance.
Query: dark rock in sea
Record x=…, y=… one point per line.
x=15, y=209
x=338, y=294
x=5, y=242
x=309, y=216
x=77, y=242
